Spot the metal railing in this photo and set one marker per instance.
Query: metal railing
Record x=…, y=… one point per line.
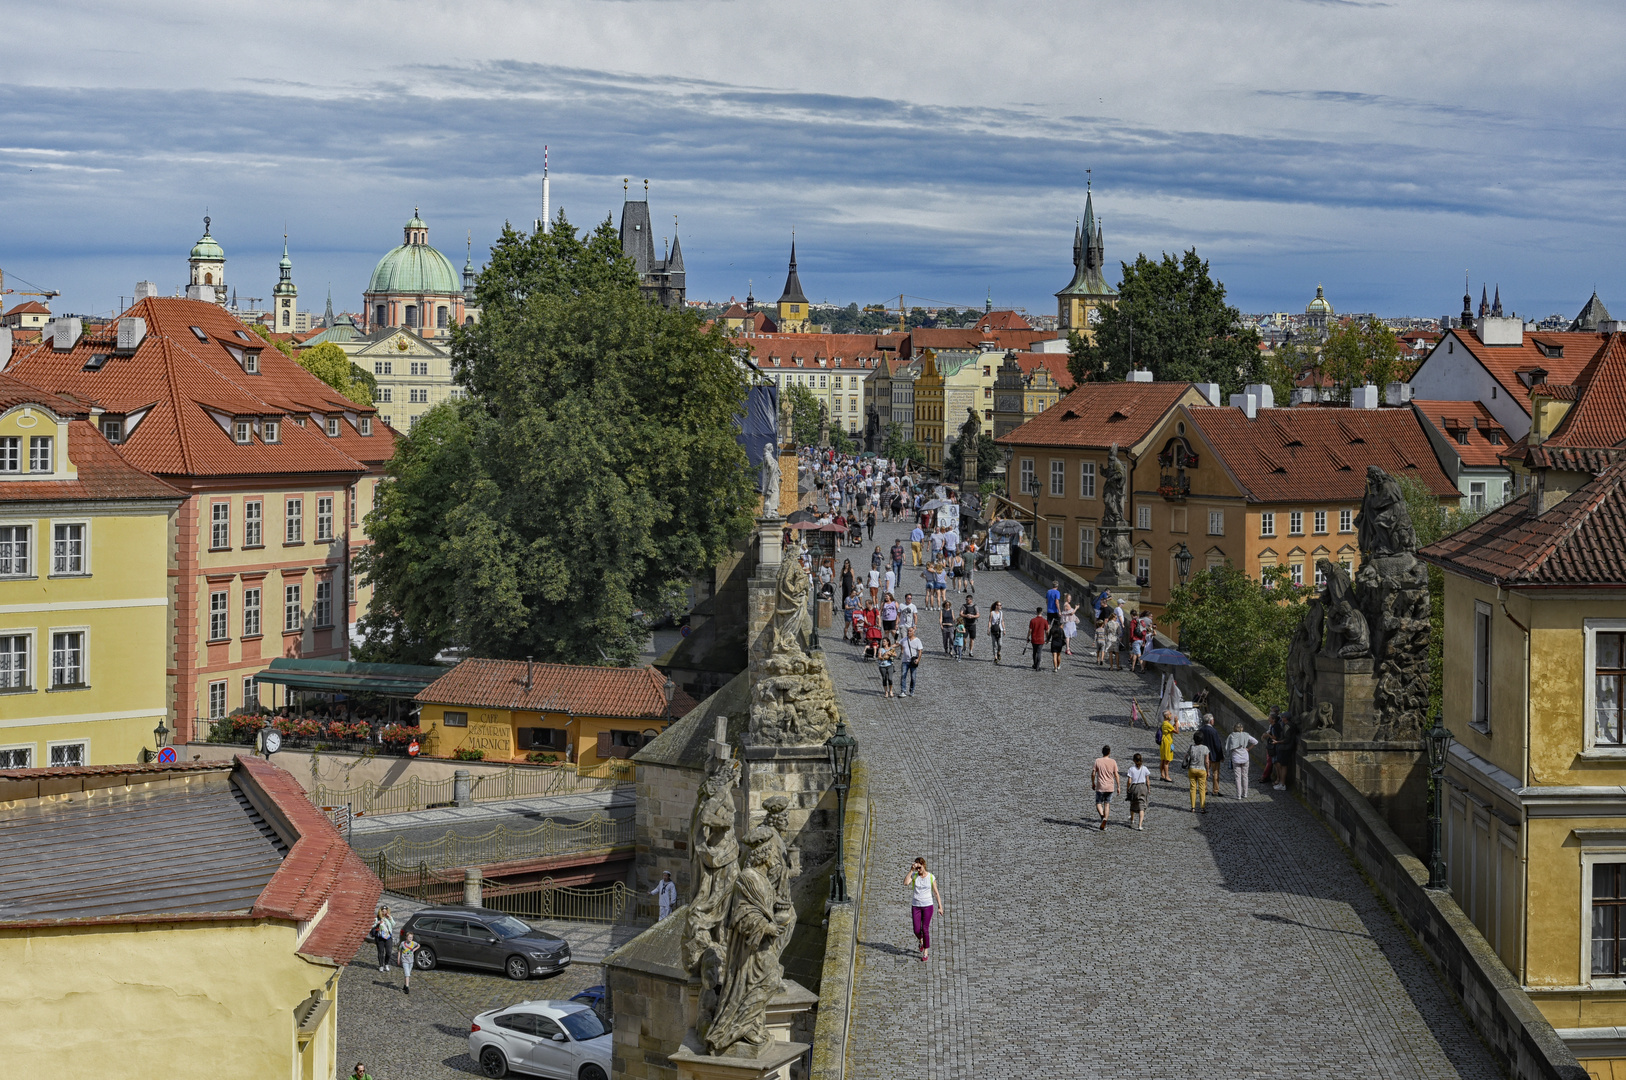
x=502, y=844
x=416, y=793
x=593, y=903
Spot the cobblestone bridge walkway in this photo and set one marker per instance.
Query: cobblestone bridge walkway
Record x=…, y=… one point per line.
x=1239, y=943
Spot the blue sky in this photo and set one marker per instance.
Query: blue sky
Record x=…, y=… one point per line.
x=933, y=149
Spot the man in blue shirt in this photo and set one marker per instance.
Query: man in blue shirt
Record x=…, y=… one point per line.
x=1052, y=599
x=916, y=538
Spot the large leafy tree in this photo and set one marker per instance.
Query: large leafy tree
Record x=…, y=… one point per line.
x=987, y=457
x=591, y=472
x=898, y=448
x=329, y=363
x=1175, y=319
x=804, y=415
x=1241, y=628
x=1359, y=353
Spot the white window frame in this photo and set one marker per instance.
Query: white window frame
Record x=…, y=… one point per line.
x=1295, y=523
x=1057, y=543
x=219, y=615
x=84, y=657
x=12, y=748
x=324, y=518
x=29, y=560
x=84, y=547
x=1143, y=569
x=1058, y=478
x=257, y=608
x=31, y=680
x=1025, y=476
x=220, y=526
x=1346, y=521
x=1321, y=523
x=1216, y=517
x=113, y=429
x=1267, y=523
x=333, y=427
x=293, y=520
x=1295, y=573
x=1143, y=517
x=254, y=515
x=219, y=699
x=11, y=454
x=322, y=604
x=83, y=744
x=1590, y=629
x=37, y=444
x=1086, y=480
x=366, y=425
x=271, y=431
x=293, y=610
x=251, y=691
x=1086, y=545
x=1609, y=847
x=243, y=432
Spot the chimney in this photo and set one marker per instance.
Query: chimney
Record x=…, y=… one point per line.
x=1262, y=391
x=1397, y=393
x=1364, y=397
x=1612, y=326
x=206, y=293
x=5, y=347
x=1304, y=395
x=144, y=290
x=132, y=330
x=1139, y=375
x=529, y=667
x=1210, y=390
x=1492, y=330
x=64, y=332
x=1248, y=403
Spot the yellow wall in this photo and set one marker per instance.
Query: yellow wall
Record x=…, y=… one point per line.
x=792, y=318
x=496, y=731
x=122, y=605
x=160, y=1001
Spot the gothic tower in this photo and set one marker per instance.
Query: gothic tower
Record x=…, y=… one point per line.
x=285, y=296
x=1088, y=291
x=793, y=302
x=208, y=263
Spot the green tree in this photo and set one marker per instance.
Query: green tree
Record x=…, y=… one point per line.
x=281, y=346
x=1240, y=628
x=840, y=441
x=1433, y=521
x=898, y=448
x=1182, y=329
x=591, y=473
x=1360, y=353
x=363, y=381
x=329, y=363
x=987, y=457
x=804, y=415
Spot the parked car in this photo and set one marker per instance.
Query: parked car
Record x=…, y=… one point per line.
x=479, y=937
x=595, y=998
x=561, y=1039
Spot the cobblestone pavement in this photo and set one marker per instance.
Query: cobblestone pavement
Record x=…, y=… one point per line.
x=1242, y=940
x=425, y=1036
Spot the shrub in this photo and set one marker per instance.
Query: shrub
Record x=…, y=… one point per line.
x=348, y=730
x=469, y=755
x=536, y=757
x=296, y=727
x=397, y=736
x=237, y=729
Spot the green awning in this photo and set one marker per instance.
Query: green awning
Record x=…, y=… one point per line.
x=342, y=677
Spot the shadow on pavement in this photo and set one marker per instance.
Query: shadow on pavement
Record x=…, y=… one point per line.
x=1265, y=916
x=889, y=949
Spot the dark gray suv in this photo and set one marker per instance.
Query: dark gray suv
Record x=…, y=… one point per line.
x=479, y=937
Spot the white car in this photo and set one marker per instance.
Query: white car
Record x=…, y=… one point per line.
x=562, y=1039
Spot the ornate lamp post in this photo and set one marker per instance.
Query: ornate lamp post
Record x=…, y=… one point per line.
x=1182, y=559
x=1439, y=746
x=813, y=608
x=160, y=735
x=841, y=747
x=1033, y=492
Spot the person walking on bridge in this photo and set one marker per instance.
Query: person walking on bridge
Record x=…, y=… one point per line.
x=1197, y=774
x=666, y=891
x=996, y=627
x=924, y=901
x=1104, y=779
x=1038, y=632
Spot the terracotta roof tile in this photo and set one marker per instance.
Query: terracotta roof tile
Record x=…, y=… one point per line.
x=1452, y=418
x=1539, y=350
x=1055, y=363
x=1003, y=320
x=30, y=307
x=1270, y=470
x=1598, y=417
x=638, y=692
x=1581, y=541
x=103, y=474
x=1098, y=414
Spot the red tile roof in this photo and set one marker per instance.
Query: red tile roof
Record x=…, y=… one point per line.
x=319, y=870
x=1598, y=417
x=1098, y=414
x=971, y=340
x=571, y=688
x=1003, y=320
x=1452, y=417
x=178, y=390
x=1055, y=363
x=1581, y=541
x=1505, y=362
x=736, y=310
x=1318, y=455
x=103, y=474
x=30, y=307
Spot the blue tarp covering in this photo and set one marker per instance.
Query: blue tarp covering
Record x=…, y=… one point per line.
x=760, y=425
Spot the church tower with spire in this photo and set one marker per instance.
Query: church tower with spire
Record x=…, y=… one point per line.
x=285, y=295
x=793, y=306
x=661, y=278
x=1078, y=304
x=208, y=267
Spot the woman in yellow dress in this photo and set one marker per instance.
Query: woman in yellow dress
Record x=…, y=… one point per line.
x=1165, y=745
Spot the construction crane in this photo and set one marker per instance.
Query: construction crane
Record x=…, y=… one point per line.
x=33, y=290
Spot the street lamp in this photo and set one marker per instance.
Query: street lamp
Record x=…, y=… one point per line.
x=1033, y=491
x=1439, y=745
x=841, y=747
x=160, y=735
x=813, y=609
x=1182, y=559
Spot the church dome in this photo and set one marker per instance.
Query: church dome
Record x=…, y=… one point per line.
x=1320, y=305
x=415, y=268
x=206, y=248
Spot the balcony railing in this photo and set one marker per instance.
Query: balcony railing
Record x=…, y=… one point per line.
x=1174, y=486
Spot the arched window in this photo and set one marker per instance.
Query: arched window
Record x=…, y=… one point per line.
x=441, y=317
x=208, y=279
x=285, y=318
x=468, y=320
x=412, y=315
x=378, y=314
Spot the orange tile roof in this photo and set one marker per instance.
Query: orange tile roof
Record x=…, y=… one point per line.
x=1003, y=320
x=1055, y=363
x=102, y=474
x=175, y=386
x=30, y=307
x=1318, y=455
x=1450, y=417
x=736, y=310
x=1505, y=362
x=635, y=693
x=1098, y=414
x=1598, y=417
x=971, y=340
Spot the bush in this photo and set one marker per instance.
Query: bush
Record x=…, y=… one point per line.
x=348, y=730
x=395, y=735
x=1240, y=629
x=296, y=727
x=237, y=729
x=469, y=755
x=537, y=757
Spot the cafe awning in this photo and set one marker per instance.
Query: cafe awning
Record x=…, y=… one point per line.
x=342, y=677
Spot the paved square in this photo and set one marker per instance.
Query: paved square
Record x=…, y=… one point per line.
x=1239, y=943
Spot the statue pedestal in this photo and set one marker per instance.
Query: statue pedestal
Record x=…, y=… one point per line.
x=801, y=774
x=1347, y=686
x=774, y=1062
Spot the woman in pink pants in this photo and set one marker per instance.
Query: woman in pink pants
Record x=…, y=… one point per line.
x=924, y=901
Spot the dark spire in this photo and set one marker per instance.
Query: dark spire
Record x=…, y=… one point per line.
x=1496, y=304
x=1484, y=302
x=1592, y=315
x=1467, y=301
x=674, y=261
x=793, y=284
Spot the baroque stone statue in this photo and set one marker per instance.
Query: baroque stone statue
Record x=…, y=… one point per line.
x=783, y=869
x=753, y=973
x=793, y=702
x=1113, y=545
x=1301, y=654
x=769, y=487
x=824, y=425
x=1393, y=589
x=715, y=852
x=1347, y=637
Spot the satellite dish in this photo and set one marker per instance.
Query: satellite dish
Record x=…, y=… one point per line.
x=273, y=743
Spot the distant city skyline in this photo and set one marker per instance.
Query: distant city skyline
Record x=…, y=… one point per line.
x=1355, y=145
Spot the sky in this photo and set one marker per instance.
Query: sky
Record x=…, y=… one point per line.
x=937, y=150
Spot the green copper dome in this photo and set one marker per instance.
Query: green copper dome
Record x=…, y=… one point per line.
x=206, y=248
x=415, y=267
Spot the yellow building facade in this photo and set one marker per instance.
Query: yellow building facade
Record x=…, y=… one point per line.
x=929, y=405
x=1535, y=818
x=85, y=590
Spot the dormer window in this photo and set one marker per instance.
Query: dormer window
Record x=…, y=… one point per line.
x=366, y=425
x=251, y=361
x=113, y=428
x=271, y=431
x=199, y=334
x=241, y=335
x=245, y=432
x=333, y=427
x=1493, y=437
